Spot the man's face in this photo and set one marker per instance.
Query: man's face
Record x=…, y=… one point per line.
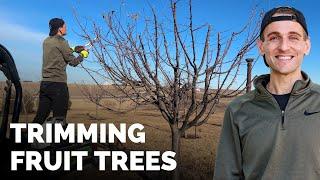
x=284, y=46
x=63, y=30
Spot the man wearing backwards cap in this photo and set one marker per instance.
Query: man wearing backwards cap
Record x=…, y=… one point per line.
x=273, y=132
x=57, y=54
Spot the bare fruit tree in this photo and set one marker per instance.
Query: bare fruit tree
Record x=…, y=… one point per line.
x=99, y=95
x=93, y=94
x=181, y=69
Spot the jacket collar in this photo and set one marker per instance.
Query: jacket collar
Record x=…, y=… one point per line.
x=300, y=86
x=58, y=37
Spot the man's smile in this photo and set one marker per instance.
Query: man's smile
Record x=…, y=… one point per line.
x=284, y=57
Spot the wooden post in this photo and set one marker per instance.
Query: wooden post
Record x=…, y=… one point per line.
x=249, y=68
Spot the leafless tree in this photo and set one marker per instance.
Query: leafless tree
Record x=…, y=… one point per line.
x=28, y=101
x=165, y=64
x=100, y=96
x=93, y=94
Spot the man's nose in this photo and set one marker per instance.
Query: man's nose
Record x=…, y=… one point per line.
x=284, y=44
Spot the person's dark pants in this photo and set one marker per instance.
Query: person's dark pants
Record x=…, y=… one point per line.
x=53, y=96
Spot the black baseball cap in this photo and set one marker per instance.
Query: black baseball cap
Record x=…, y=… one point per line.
x=293, y=15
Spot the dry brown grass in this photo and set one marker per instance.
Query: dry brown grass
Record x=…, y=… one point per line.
x=198, y=154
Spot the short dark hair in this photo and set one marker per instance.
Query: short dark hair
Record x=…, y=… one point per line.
x=291, y=14
x=54, y=25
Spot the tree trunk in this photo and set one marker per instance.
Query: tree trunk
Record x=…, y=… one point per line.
x=184, y=134
x=97, y=111
x=175, y=146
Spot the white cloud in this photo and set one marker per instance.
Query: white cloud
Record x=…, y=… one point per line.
x=25, y=45
x=14, y=32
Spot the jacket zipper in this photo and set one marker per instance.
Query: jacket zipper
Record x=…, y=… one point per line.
x=282, y=119
x=282, y=111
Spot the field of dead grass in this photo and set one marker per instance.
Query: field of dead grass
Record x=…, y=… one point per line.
x=197, y=154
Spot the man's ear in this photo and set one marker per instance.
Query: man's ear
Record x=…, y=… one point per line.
x=308, y=46
x=59, y=30
x=260, y=46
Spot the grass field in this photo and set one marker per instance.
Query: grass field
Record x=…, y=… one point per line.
x=197, y=154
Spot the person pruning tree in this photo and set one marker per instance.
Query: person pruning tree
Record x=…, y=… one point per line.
x=57, y=54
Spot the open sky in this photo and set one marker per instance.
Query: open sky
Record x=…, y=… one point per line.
x=24, y=25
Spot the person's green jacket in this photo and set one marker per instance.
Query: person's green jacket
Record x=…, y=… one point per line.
x=259, y=141
x=57, y=54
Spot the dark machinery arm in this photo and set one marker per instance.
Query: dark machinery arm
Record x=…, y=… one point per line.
x=8, y=67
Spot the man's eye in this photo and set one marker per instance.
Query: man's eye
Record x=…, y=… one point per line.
x=294, y=38
x=274, y=38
